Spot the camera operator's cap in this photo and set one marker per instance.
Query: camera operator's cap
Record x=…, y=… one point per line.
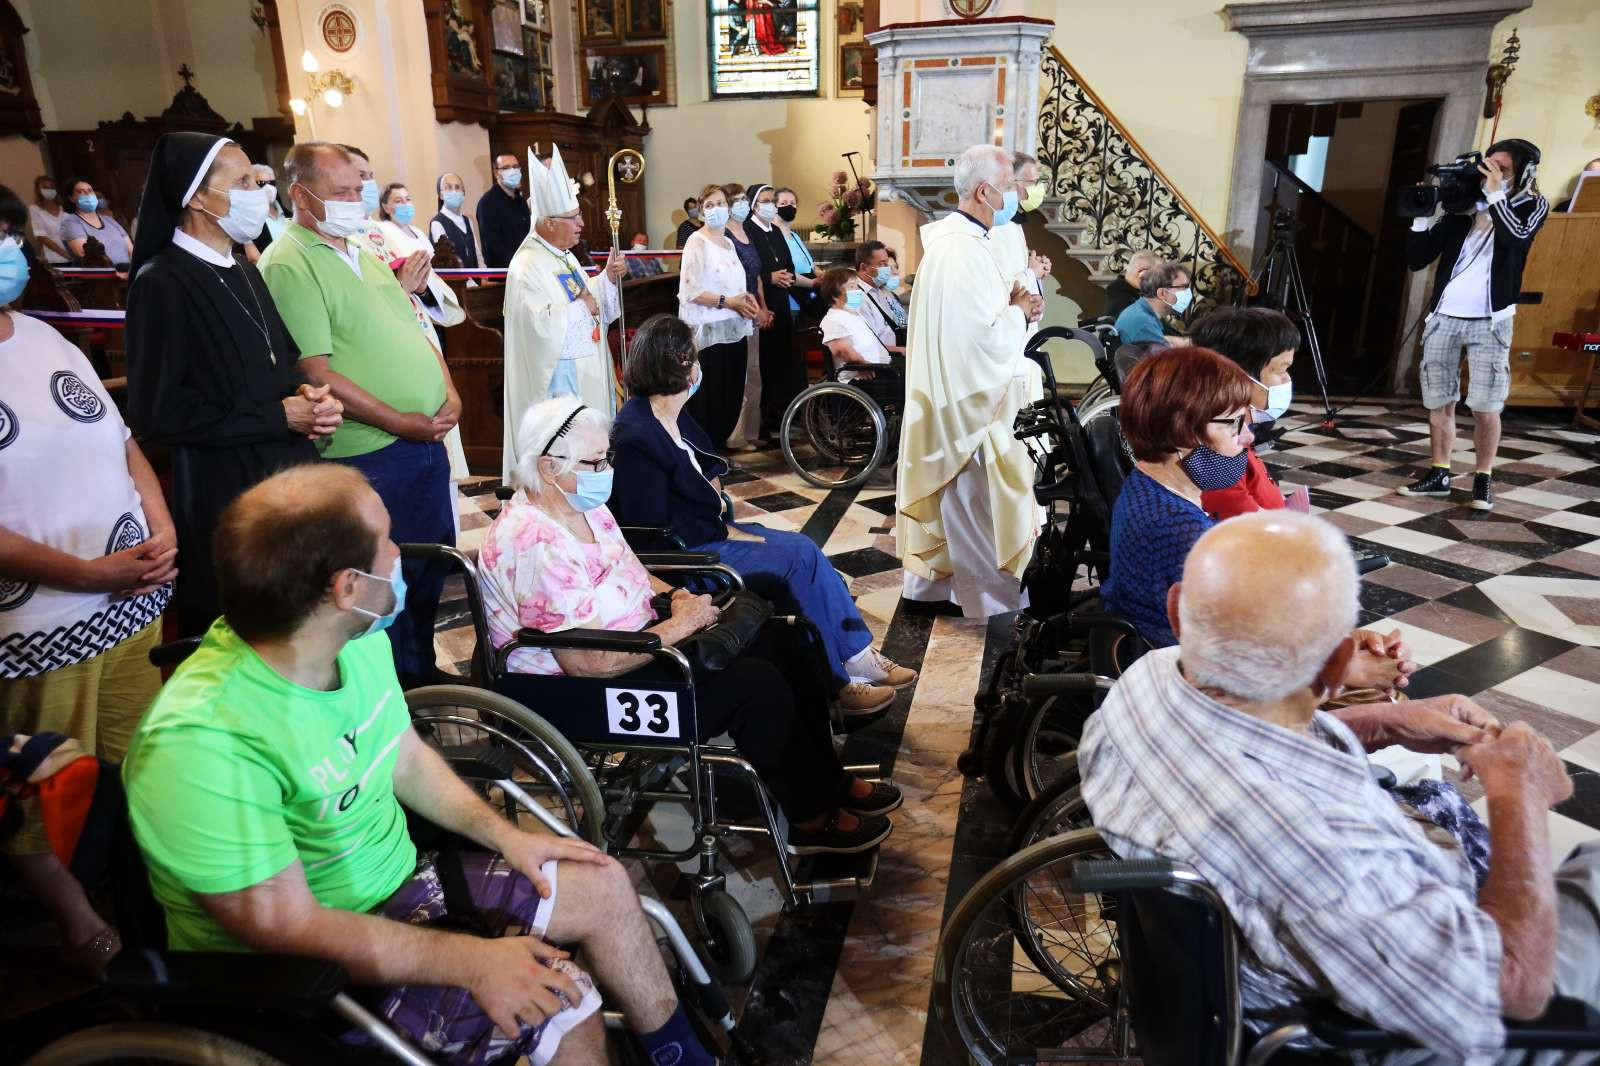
x=1525, y=152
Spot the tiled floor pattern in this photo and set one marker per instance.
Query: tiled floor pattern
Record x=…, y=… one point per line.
x=1502, y=606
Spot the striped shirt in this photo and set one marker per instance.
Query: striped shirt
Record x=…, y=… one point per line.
x=1334, y=889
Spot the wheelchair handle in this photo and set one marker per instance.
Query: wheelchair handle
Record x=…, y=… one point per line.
x=1036, y=686
x=678, y=558
x=174, y=653
x=1122, y=875
x=586, y=640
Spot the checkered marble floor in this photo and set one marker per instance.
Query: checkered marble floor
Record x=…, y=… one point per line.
x=1501, y=606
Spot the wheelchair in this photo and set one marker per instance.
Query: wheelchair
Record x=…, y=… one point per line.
x=1066, y=952
x=243, y=1009
x=836, y=434
x=636, y=737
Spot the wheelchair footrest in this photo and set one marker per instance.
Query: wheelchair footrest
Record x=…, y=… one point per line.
x=832, y=878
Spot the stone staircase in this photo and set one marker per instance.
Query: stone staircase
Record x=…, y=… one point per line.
x=1103, y=264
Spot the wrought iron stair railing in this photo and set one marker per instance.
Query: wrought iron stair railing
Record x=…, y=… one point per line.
x=1110, y=198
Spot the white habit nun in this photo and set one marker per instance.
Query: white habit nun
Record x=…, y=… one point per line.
x=554, y=345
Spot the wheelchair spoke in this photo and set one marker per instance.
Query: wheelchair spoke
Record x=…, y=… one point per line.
x=834, y=435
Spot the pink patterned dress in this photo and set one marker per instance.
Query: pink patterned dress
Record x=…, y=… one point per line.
x=534, y=573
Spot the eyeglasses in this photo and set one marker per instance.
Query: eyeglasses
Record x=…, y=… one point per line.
x=1237, y=422
x=597, y=465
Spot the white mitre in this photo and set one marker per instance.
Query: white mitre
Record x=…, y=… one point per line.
x=550, y=191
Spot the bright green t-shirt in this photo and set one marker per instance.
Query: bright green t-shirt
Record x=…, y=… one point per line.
x=365, y=325
x=235, y=772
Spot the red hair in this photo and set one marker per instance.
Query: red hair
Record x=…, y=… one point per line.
x=1168, y=398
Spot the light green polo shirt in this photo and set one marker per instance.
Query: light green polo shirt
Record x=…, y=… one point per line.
x=366, y=325
x=236, y=771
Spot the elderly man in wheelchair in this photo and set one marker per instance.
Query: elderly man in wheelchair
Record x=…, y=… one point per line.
x=555, y=560
x=1214, y=754
x=265, y=788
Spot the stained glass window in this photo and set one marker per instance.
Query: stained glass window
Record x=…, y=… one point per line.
x=763, y=47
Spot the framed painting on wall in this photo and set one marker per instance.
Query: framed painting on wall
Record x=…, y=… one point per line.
x=598, y=23
x=505, y=19
x=536, y=13
x=646, y=19
x=763, y=48
x=852, y=58
x=511, y=82
x=635, y=73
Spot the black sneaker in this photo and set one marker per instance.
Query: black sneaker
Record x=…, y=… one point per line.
x=1435, y=483
x=1482, y=493
x=881, y=800
x=868, y=834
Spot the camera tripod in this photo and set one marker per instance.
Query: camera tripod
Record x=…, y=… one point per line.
x=1279, y=281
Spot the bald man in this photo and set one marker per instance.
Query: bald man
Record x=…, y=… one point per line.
x=1125, y=289
x=1214, y=753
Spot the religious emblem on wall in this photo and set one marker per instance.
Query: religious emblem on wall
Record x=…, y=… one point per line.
x=460, y=41
x=339, y=28
x=764, y=48
x=969, y=9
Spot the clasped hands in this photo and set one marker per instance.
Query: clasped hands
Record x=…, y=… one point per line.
x=313, y=411
x=1032, y=303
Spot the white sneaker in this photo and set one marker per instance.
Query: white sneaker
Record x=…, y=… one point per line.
x=872, y=667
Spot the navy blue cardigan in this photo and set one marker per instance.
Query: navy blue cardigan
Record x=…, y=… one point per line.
x=656, y=484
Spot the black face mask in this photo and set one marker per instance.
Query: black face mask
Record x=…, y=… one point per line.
x=787, y=212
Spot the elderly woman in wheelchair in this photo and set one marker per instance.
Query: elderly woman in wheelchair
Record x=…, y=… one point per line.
x=668, y=477
x=265, y=788
x=555, y=560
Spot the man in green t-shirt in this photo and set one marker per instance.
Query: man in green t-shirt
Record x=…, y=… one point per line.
x=265, y=787
x=358, y=332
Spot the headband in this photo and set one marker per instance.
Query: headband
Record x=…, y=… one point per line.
x=566, y=425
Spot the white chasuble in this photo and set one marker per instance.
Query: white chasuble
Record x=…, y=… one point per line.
x=554, y=346
x=966, y=379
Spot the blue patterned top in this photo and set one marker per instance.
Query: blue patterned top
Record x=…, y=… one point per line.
x=1152, y=530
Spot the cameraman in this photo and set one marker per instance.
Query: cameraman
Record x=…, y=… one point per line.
x=1480, y=255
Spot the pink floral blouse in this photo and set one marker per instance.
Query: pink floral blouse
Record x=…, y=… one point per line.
x=534, y=573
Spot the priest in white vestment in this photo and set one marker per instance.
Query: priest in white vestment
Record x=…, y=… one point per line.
x=965, y=516
x=1009, y=243
x=556, y=315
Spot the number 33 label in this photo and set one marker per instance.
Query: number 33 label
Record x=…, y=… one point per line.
x=642, y=713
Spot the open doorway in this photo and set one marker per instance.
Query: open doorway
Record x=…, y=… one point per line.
x=1334, y=166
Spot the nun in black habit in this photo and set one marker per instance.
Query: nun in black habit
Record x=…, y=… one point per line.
x=211, y=369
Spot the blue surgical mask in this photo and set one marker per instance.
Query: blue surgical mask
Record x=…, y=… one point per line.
x=369, y=196
x=694, y=383
x=883, y=276
x=454, y=198
x=404, y=213
x=893, y=284
x=854, y=298
x=1184, y=298
x=594, y=489
x=511, y=178
x=276, y=226
x=88, y=202
x=1211, y=471
x=13, y=270
x=741, y=210
x=716, y=217
x=397, y=585
x=1278, y=399
x=1007, y=209
x=694, y=213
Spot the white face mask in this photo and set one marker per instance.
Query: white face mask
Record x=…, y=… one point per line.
x=247, y=213
x=344, y=218
x=47, y=194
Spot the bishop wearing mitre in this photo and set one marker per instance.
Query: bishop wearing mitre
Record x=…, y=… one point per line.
x=556, y=315
x=965, y=514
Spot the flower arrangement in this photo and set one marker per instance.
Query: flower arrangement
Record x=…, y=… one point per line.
x=836, y=215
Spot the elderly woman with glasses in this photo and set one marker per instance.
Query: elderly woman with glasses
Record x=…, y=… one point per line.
x=671, y=477
x=554, y=559
x=1185, y=416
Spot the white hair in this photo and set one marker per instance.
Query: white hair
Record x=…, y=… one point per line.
x=978, y=164
x=269, y=174
x=1226, y=648
x=563, y=425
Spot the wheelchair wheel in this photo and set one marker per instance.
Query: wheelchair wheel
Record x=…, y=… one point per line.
x=1000, y=763
x=834, y=436
x=1045, y=742
x=149, y=1042
x=1026, y=967
x=548, y=768
x=1058, y=809
x=728, y=936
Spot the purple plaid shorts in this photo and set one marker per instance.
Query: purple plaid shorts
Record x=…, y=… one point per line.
x=447, y=1022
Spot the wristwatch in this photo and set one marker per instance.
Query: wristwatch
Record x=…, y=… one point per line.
x=722, y=301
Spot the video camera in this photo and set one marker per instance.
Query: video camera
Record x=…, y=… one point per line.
x=1459, y=186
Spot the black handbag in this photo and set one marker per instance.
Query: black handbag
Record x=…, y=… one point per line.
x=735, y=629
